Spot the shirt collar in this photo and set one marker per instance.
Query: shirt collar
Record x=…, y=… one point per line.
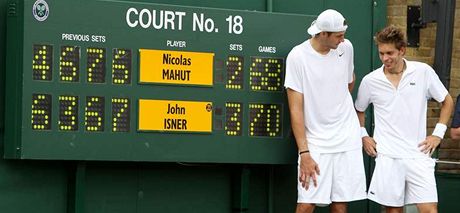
x=409, y=68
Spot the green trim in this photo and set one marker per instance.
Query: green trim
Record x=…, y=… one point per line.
x=271, y=189
x=13, y=79
x=240, y=197
x=76, y=188
x=269, y=5
x=379, y=20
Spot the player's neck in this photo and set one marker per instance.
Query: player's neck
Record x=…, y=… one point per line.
x=321, y=49
x=398, y=70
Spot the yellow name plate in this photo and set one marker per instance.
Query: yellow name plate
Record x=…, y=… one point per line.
x=175, y=67
x=175, y=116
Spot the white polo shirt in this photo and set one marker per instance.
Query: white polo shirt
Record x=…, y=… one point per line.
x=400, y=114
x=331, y=123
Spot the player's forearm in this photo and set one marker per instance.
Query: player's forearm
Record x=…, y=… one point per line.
x=446, y=110
x=361, y=118
x=298, y=128
x=296, y=110
x=352, y=84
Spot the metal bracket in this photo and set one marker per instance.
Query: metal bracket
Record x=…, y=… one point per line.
x=418, y=17
x=414, y=23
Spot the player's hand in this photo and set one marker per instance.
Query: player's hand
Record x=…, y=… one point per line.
x=369, y=146
x=308, y=169
x=429, y=144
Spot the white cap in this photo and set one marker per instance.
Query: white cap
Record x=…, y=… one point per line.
x=328, y=21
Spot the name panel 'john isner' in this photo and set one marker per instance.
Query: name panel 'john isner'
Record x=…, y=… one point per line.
x=171, y=115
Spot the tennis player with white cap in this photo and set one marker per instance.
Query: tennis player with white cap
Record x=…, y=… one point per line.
x=319, y=78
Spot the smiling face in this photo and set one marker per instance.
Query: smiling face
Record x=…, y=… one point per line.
x=391, y=57
x=392, y=44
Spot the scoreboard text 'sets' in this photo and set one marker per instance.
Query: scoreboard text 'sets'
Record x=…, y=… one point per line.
x=123, y=81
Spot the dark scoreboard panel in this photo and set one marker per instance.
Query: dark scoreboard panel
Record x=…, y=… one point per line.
x=125, y=81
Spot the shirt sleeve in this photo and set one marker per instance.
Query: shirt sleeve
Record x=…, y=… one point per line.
x=293, y=78
x=364, y=96
x=436, y=89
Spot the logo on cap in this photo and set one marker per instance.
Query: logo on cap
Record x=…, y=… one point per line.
x=40, y=10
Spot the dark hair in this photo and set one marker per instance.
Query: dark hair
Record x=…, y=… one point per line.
x=328, y=34
x=391, y=35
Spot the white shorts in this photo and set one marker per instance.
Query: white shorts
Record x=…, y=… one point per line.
x=400, y=181
x=342, y=179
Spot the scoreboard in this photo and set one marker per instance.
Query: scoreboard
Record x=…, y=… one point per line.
x=124, y=81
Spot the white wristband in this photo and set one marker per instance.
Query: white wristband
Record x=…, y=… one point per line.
x=363, y=132
x=439, y=130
